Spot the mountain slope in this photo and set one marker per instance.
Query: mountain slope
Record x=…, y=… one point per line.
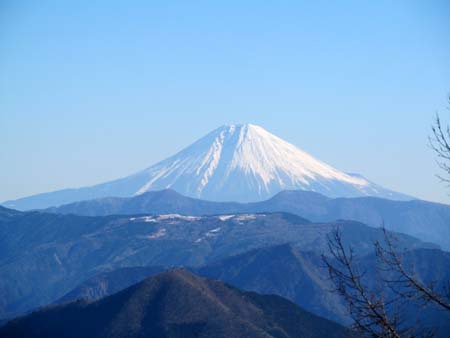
x=232, y=163
x=302, y=278
x=43, y=256
x=176, y=304
x=108, y=283
x=425, y=220
x=281, y=270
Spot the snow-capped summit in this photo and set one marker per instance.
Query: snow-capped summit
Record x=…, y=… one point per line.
x=232, y=163
x=247, y=163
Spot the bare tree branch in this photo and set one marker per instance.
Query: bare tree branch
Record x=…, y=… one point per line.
x=376, y=312
x=440, y=143
x=411, y=286
x=367, y=309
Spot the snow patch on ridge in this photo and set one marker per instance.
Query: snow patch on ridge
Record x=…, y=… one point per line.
x=159, y=218
x=224, y=218
x=160, y=233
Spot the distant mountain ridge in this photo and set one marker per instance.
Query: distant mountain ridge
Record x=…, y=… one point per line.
x=242, y=163
x=425, y=220
x=176, y=304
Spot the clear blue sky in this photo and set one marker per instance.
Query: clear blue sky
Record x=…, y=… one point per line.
x=95, y=90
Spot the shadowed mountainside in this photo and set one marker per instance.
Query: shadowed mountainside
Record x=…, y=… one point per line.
x=176, y=304
x=301, y=278
x=43, y=256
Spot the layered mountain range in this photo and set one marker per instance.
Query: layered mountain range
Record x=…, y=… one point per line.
x=132, y=257
x=243, y=163
x=43, y=256
x=425, y=220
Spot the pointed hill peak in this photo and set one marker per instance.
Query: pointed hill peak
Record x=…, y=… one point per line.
x=176, y=304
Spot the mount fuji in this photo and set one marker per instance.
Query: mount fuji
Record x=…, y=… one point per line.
x=232, y=163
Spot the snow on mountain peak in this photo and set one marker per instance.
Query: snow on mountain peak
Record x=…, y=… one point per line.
x=237, y=162
x=263, y=154
x=245, y=162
